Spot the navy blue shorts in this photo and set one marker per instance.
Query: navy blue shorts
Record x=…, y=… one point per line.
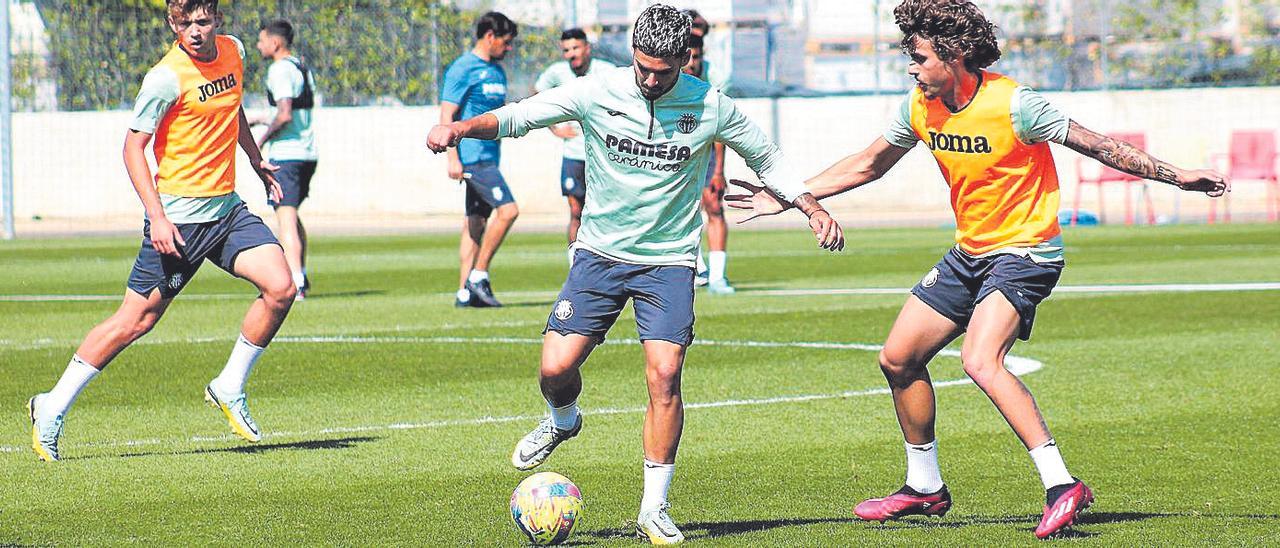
x=573, y=178
x=960, y=281
x=598, y=289
x=486, y=189
x=294, y=177
x=220, y=241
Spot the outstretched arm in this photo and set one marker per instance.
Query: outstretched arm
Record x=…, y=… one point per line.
x=445, y=136
x=1125, y=157
x=852, y=172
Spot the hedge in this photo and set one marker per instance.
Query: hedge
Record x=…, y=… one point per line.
x=360, y=51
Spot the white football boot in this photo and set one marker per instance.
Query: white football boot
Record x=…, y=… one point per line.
x=537, y=445
x=236, y=410
x=656, y=525
x=45, y=431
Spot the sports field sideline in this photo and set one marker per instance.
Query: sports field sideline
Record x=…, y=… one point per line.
x=389, y=415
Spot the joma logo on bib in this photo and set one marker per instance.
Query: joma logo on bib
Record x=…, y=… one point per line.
x=217, y=86
x=958, y=143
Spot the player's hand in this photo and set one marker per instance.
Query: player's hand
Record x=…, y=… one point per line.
x=827, y=230
x=165, y=237
x=759, y=200
x=444, y=136
x=1204, y=180
x=266, y=171
x=455, y=169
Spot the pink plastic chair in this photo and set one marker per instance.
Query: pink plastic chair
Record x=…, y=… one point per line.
x=1108, y=175
x=1252, y=158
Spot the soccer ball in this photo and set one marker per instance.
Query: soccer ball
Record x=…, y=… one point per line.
x=546, y=507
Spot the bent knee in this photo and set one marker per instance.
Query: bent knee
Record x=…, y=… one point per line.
x=508, y=212
x=899, y=366
x=981, y=367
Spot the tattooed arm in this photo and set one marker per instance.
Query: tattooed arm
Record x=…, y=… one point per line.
x=1125, y=157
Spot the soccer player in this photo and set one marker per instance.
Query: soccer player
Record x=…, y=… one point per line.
x=649, y=130
x=290, y=88
x=190, y=103
x=577, y=63
x=990, y=136
x=712, y=274
x=473, y=85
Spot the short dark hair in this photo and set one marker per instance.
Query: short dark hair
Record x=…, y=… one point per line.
x=955, y=28
x=698, y=21
x=497, y=23
x=695, y=41
x=573, y=34
x=281, y=28
x=188, y=6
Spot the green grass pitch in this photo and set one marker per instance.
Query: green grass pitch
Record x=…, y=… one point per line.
x=390, y=415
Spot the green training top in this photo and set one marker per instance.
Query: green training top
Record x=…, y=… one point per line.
x=647, y=160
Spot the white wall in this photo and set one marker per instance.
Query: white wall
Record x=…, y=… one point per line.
x=376, y=172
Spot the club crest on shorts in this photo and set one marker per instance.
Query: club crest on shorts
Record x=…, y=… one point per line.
x=930, y=278
x=564, y=310
x=687, y=123
x=175, y=281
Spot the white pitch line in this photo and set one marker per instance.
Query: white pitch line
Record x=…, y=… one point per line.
x=1015, y=364
x=1101, y=288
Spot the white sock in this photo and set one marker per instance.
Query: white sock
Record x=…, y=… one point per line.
x=464, y=295
x=564, y=417
x=657, y=479
x=230, y=383
x=1049, y=463
x=299, y=278
x=478, y=276
x=74, y=379
x=716, y=264
x=923, y=474
x=702, y=265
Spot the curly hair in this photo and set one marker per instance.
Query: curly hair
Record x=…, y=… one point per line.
x=662, y=31
x=956, y=28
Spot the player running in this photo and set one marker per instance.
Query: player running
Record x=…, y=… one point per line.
x=474, y=84
x=990, y=138
x=577, y=63
x=293, y=143
x=190, y=103
x=649, y=130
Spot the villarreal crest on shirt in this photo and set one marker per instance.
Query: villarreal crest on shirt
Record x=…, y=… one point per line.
x=195, y=141
x=1004, y=192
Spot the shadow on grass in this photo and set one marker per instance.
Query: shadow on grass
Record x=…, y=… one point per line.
x=1029, y=521
x=310, y=445
x=715, y=529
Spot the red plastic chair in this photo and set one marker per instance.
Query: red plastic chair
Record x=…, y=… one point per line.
x=1109, y=175
x=1252, y=158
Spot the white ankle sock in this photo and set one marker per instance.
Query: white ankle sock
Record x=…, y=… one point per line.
x=564, y=417
x=923, y=474
x=657, y=479
x=73, y=380
x=230, y=383
x=1053, y=471
x=299, y=279
x=716, y=262
x=478, y=276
